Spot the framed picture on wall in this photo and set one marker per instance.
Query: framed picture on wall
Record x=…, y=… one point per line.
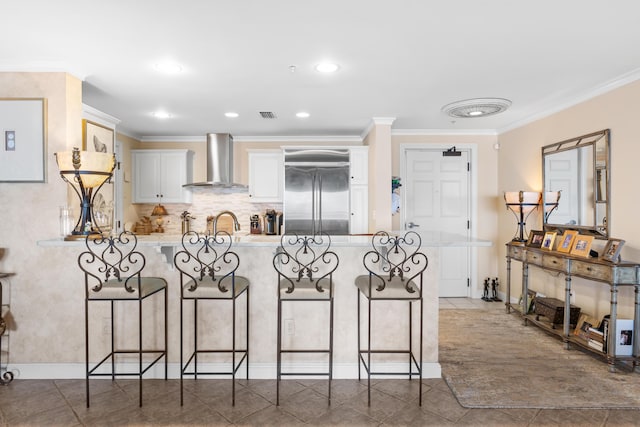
x=96, y=137
x=566, y=241
x=612, y=250
x=582, y=245
x=100, y=138
x=23, y=131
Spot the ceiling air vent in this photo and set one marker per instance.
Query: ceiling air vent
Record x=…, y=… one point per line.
x=268, y=115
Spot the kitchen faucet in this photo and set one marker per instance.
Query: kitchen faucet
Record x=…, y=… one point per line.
x=236, y=224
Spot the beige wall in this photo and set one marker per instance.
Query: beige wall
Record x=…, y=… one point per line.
x=30, y=213
x=520, y=169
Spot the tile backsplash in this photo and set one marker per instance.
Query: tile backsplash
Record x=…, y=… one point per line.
x=206, y=203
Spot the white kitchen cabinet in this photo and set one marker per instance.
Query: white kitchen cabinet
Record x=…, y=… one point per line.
x=359, y=160
x=159, y=176
x=359, y=221
x=266, y=175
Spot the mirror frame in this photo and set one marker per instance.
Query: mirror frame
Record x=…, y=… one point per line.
x=598, y=231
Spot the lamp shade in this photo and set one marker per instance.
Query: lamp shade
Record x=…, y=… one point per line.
x=159, y=210
x=91, y=168
x=522, y=201
x=551, y=199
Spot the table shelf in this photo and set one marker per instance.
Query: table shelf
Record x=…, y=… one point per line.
x=614, y=275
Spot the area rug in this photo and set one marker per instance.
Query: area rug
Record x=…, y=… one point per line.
x=490, y=359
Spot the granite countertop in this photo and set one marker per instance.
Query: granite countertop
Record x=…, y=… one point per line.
x=429, y=239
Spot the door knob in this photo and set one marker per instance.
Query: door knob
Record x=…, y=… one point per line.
x=412, y=225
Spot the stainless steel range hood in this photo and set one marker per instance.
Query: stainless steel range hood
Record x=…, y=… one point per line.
x=220, y=164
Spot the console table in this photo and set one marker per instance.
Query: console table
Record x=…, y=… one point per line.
x=614, y=274
x=7, y=376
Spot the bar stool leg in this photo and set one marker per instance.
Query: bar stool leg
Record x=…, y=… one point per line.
x=420, y=375
x=247, y=336
x=410, y=341
x=330, y=347
x=369, y=353
x=195, y=339
x=86, y=346
x=359, y=349
x=113, y=346
x=233, y=349
x=166, y=337
x=139, y=349
x=279, y=357
x=181, y=350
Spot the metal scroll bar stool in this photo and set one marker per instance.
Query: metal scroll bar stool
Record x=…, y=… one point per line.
x=112, y=273
x=305, y=267
x=395, y=268
x=208, y=272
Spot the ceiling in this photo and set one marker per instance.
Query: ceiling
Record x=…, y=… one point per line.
x=403, y=59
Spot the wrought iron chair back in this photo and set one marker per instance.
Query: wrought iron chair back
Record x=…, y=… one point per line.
x=207, y=259
x=306, y=258
x=110, y=259
x=396, y=259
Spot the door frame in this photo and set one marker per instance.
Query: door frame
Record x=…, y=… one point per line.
x=472, y=150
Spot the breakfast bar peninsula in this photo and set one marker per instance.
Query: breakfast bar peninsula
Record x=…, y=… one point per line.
x=60, y=341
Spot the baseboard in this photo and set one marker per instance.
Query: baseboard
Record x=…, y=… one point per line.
x=41, y=371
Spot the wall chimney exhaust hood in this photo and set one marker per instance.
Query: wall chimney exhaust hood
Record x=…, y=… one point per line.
x=220, y=165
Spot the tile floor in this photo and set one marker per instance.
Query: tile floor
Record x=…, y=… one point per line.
x=208, y=403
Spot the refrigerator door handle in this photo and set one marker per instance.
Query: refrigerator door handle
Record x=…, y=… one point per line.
x=320, y=202
x=313, y=203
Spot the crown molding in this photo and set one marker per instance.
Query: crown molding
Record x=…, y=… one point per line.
x=593, y=92
x=185, y=138
x=94, y=114
x=242, y=138
x=302, y=138
x=436, y=132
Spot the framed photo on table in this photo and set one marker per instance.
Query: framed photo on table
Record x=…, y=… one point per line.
x=535, y=239
x=612, y=250
x=566, y=241
x=582, y=245
x=547, y=242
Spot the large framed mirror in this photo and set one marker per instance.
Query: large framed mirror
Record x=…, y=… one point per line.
x=579, y=169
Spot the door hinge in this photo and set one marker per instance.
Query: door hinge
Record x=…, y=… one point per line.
x=468, y=224
x=118, y=163
x=468, y=167
x=468, y=282
x=117, y=225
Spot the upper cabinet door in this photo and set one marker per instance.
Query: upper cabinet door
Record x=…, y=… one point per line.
x=266, y=168
x=359, y=165
x=159, y=176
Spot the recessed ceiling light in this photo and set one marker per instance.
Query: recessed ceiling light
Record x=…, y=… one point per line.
x=168, y=67
x=161, y=115
x=477, y=107
x=231, y=114
x=327, y=67
x=302, y=115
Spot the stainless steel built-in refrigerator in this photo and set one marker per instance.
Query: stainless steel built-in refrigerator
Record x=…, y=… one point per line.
x=316, y=191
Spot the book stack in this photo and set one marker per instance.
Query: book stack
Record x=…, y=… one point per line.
x=596, y=339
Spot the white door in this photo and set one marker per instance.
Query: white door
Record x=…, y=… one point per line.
x=437, y=198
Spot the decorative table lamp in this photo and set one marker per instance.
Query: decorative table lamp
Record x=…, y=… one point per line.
x=159, y=211
x=85, y=172
x=551, y=201
x=521, y=203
